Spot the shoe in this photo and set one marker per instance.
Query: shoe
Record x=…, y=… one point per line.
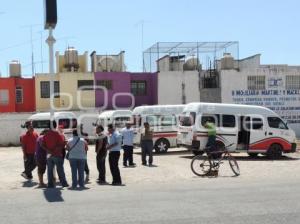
x=116, y=184
x=133, y=164
x=25, y=176
x=42, y=185
x=102, y=182
x=65, y=185
x=72, y=188
x=125, y=165
x=144, y=164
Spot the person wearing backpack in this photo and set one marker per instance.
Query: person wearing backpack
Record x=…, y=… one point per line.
x=77, y=155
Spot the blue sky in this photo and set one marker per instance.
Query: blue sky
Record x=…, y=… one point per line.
x=267, y=27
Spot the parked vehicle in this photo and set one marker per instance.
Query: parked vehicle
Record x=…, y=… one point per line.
x=116, y=117
x=163, y=120
x=67, y=120
x=252, y=129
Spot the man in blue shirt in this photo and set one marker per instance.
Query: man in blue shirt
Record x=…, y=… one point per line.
x=114, y=148
x=128, y=135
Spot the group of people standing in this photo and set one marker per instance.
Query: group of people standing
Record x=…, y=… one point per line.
x=49, y=150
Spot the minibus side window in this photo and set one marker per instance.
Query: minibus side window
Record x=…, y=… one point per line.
x=168, y=120
x=257, y=123
x=152, y=120
x=121, y=121
x=210, y=117
x=43, y=124
x=276, y=122
x=228, y=121
x=67, y=123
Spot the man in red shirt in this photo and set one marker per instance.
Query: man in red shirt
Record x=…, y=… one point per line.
x=54, y=144
x=28, y=141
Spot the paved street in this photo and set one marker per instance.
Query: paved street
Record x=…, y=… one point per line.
x=266, y=192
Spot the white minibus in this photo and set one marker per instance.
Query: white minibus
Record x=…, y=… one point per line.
x=252, y=129
x=67, y=120
x=116, y=117
x=163, y=120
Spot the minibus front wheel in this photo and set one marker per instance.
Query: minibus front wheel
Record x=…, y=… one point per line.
x=274, y=152
x=161, y=145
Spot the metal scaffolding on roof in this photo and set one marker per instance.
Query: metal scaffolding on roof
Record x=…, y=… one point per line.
x=207, y=52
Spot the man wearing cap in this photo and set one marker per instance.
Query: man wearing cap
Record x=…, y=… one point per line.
x=128, y=135
x=28, y=141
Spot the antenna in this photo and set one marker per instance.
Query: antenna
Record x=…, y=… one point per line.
x=31, y=43
x=42, y=66
x=141, y=23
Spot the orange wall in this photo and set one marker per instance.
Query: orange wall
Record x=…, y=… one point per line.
x=28, y=86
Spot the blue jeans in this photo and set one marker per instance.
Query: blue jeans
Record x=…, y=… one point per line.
x=77, y=168
x=147, y=149
x=58, y=162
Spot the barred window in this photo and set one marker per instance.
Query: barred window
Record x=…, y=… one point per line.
x=256, y=82
x=105, y=83
x=85, y=84
x=45, y=89
x=139, y=88
x=4, y=97
x=292, y=82
x=19, y=95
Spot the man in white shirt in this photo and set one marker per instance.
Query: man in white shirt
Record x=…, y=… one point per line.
x=128, y=135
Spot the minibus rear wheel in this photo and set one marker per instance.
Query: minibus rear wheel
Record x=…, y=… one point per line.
x=274, y=152
x=253, y=154
x=161, y=145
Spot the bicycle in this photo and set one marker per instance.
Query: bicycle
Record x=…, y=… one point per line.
x=212, y=162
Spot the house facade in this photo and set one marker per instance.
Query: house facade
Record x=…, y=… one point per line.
x=17, y=94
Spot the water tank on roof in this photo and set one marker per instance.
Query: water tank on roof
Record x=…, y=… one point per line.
x=227, y=62
x=108, y=64
x=71, y=59
x=14, y=69
x=192, y=64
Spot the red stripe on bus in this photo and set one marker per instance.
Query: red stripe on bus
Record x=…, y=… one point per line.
x=165, y=135
x=264, y=144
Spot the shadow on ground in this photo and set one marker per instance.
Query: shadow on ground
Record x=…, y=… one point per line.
x=29, y=184
x=53, y=195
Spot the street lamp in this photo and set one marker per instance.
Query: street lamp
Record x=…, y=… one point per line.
x=50, y=14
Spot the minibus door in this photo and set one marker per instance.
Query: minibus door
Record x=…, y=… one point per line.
x=244, y=133
x=258, y=133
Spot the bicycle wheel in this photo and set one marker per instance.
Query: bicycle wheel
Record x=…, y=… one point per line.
x=200, y=166
x=234, y=165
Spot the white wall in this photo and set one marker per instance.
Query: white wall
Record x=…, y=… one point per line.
x=10, y=125
x=170, y=87
x=233, y=81
x=10, y=128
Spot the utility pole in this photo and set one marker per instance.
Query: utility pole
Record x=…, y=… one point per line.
x=51, y=41
x=50, y=23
